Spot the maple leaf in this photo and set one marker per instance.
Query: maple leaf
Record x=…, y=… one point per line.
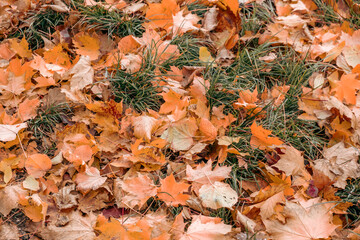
x=218, y=195
x=180, y=134
x=339, y=163
x=144, y=126
x=139, y=189
x=183, y=24
x=291, y=162
x=305, y=220
x=27, y=109
x=171, y=192
x=82, y=74
x=37, y=165
x=87, y=45
x=21, y=48
x=204, y=174
x=90, y=179
x=346, y=88
x=204, y=228
x=173, y=101
x=9, y=132
x=260, y=137
x=161, y=14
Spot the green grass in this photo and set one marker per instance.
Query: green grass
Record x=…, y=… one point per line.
x=255, y=16
x=351, y=194
x=138, y=90
x=47, y=117
x=112, y=23
x=327, y=14
x=39, y=24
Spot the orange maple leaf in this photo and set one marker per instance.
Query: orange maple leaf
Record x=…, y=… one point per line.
x=346, y=88
x=21, y=48
x=161, y=14
x=260, y=137
x=37, y=165
x=171, y=192
x=87, y=45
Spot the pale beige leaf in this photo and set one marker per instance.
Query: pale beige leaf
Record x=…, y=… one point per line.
x=8, y=132
x=9, y=230
x=183, y=24
x=206, y=230
x=144, y=127
x=304, y=221
x=339, y=163
x=9, y=197
x=90, y=179
x=180, y=134
x=79, y=227
x=205, y=175
x=218, y=195
x=210, y=19
x=247, y=222
x=31, y=183
x=82, y=74
x=291, y=162
x=352, y=55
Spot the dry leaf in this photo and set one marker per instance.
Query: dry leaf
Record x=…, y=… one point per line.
x=37, y=165
x=90, y=179
x=304, y=220
x=9, y=132
x=218, y=195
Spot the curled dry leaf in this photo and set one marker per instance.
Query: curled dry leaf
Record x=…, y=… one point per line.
x=204, y=174
x=9, y=198
x=339, y=163
x=90, y=179
x=8, y=132
x=206, y=228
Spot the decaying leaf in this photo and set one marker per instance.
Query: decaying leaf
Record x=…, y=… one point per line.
x=218, y=195
x=304, y=220
x=8, y=132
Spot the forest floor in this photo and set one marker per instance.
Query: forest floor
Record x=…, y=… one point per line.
x=179, y=119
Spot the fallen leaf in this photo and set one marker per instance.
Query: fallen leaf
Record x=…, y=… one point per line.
x=90, y=179
x=305, y=220
x=9, y=132
x=172, y=192
x=205, y=229
x=218, y=195
x=37, y=165
x=87, y=45
x=204, y=174
x=138, y=189
x=260, y=137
